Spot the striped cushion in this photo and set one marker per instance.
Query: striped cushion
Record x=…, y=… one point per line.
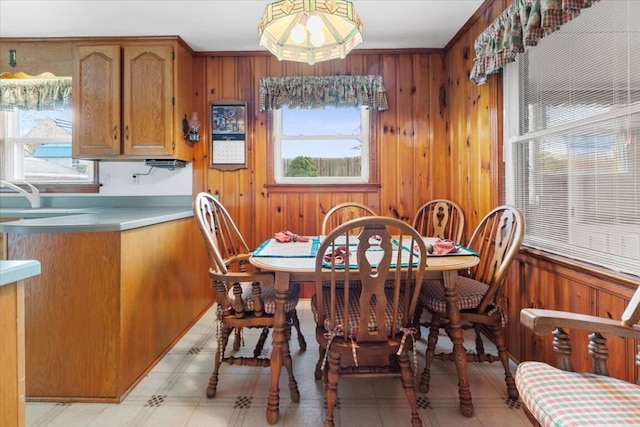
x=268, y=295
x=560, y=398
x=470, y=293
x=354, y=311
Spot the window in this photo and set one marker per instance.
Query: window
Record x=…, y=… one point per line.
x=36, y=147
x=321, y=146
x=572, y=138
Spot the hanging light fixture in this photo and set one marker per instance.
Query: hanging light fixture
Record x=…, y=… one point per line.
x=310, y=30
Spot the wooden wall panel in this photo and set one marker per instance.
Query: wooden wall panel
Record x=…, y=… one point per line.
x=473, y=124
x=38, y=56
x=403, y=138
x=538, y=282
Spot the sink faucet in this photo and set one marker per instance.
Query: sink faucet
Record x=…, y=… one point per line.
x=33, y=197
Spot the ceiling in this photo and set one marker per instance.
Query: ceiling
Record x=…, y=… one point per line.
x=227, y=25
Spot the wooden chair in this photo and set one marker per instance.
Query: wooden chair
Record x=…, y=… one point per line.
x=244, y=299
x=560, y=397
x=497, y=239
x=364, y=306
x=344, y=212
x=440, y=218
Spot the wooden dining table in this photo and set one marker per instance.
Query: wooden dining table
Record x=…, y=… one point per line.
x=294, y=262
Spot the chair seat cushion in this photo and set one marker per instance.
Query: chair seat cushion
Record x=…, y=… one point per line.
x=354, y=311
x=470, y=293
x=560, y=398
x=268, y=296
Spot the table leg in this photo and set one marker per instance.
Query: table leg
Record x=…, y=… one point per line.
x=456, y=334
x=273, y=403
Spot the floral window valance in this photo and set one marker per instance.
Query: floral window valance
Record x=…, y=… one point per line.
x=522, y=24
x=320, y=92
x=42, y=92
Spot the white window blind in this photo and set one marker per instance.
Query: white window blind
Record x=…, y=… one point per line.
x=572, y=136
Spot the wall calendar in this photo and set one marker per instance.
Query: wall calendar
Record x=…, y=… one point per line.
x=228, y=135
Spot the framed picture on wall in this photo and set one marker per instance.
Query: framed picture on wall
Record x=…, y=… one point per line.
x=228, y=135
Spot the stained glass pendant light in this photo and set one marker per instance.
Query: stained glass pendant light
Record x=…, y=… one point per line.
x=310, y=30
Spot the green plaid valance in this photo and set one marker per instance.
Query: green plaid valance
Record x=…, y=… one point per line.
x=35, y=93
x=522, y=24
x=320, y=92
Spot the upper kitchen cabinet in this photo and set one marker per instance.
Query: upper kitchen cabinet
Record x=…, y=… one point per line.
x=129, y=101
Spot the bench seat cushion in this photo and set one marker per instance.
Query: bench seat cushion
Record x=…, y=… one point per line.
x=572, y=399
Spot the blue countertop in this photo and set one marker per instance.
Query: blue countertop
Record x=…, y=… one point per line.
x=81, y=215
x=101, y=219
x=12, y=271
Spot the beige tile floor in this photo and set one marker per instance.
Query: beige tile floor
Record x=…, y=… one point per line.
x=173, y=393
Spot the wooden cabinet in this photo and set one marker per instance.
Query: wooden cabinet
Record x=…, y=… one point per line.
x=108, y=306
x=12, y=370
x=129, y=101
x=3, y=240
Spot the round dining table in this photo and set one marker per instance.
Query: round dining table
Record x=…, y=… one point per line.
x=296, y=264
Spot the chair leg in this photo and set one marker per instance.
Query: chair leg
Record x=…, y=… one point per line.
x=237, y=340
x=498, y=332
x=406, y=374
x=318, y=373
x=260, y=345
x=223, y=339
x=288, y=364
x=296, y=324
x=331, y=387
x=479, y=341
x=434, y=330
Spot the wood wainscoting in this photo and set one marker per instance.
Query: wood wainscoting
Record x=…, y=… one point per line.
x=539, y=280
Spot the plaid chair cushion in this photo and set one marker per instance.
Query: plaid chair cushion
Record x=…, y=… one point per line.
x=560, y=398
x=268, y=295
x=470, y=293
x=354, y=311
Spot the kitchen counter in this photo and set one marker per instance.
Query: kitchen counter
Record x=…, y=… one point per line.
x=100, y=219
x=122, y=280
x=90, y=214
x=12, y=271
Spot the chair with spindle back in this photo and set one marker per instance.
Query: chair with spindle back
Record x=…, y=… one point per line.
x=245, y=299
x=497, y=240
x=343, y=212
x=364, y=306
x=561, y=397
x=440, y=218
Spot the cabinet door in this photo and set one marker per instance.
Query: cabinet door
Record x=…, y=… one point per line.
x=96, y=102
x=148, y=101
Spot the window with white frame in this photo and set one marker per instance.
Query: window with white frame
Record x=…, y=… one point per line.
x=36, y=147
x=321, y=146
x=572, y=138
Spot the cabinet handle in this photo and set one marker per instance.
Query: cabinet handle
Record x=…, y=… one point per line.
x=126, y=132
x=114, y=132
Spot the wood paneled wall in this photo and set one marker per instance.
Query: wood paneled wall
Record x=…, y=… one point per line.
x=440, y=138
x=414, y=160
x=537, y=279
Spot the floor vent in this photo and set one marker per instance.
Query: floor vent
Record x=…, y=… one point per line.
x=243, y=402
x=515, y=404
x=423, y=403
x=156, y=400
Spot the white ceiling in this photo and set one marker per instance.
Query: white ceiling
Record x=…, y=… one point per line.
x=227, y=25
